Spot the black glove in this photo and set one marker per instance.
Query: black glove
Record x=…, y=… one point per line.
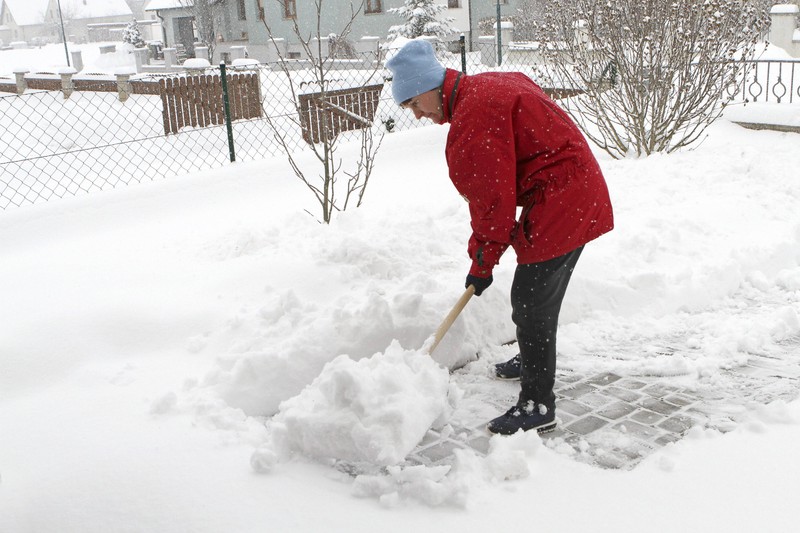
x=481, y=284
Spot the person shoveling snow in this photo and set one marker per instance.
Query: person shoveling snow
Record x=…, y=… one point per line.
x=510, y=146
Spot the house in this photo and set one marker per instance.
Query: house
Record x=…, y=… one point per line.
x=242, y=22
x=222, y=22
x=24, y=20
x=88, y=20
x=281, y=16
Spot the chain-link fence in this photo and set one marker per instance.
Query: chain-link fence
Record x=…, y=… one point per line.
x=93, y=135
x=57, y=143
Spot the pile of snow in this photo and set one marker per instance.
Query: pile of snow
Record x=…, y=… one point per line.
x=197, y=62
x=121, y=57
x=374, y=410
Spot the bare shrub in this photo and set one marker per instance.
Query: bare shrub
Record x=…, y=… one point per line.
x=340, y=184
x=655, y=73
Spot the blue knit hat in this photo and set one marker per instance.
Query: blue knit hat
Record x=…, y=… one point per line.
x=415, y=70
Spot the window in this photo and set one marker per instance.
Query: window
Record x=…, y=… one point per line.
x=373, y=6
x=240, y=9
x=453, y=3
x=289, y=9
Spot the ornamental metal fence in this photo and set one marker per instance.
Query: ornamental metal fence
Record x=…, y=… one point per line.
x=81, y=133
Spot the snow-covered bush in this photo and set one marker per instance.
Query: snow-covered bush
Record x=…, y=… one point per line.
x=133, y=35
x=422, y=17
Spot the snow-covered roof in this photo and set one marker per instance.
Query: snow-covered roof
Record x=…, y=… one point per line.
x=90, y=9
x=27, y=12
x=784, y=9
x=154, y=5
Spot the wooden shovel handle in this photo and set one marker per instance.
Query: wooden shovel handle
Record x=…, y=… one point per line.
x=451, y=317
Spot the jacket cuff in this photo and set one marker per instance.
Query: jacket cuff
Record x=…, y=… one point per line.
x=480, y=271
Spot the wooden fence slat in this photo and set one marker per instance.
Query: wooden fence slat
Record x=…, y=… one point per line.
x=176, y=105
x=218, y=100
x=198, y=102
x=232, y=97
x=239, y=113
x=193, y=97
x=190, y=96
x=206, y=99
x=164, y=106
x=182, y=107
x=235, y=100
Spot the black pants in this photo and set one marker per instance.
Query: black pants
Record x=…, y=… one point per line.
x=536, y=297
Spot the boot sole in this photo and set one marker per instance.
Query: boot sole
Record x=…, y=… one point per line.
x=504, y=378
x=547, y=428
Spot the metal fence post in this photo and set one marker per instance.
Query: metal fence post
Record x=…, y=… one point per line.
x=227, y=108
x=499, y=37
x=463, y=49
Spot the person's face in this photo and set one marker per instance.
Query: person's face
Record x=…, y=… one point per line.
x=427, y=105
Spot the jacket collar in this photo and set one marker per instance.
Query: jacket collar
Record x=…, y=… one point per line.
x=451, y=88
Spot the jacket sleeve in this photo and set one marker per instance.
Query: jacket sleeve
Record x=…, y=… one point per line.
x=482, y=165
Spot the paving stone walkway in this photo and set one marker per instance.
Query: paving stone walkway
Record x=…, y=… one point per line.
x=613, y=421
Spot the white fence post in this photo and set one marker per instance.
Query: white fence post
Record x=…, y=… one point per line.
x=66, y=74
x=170, y=57
x=781, y=33
x=123, y=75
x=19, y=74
x=77, y=59
x=201, y=52
x=276, y=49
x=488, y=48
x=238, y=52
x=139, y=55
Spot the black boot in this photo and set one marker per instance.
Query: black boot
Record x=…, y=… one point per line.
x=509, y=370
x=528, y=417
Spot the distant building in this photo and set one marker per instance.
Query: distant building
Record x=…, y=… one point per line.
x=24, y=20
x=241, y=22
x=179, y=27
x=375, y=19
x=89, y=20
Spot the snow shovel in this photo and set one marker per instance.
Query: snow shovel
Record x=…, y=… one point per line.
x=451, y=317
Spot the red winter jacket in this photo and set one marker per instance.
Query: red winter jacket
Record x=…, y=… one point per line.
x=511, y=146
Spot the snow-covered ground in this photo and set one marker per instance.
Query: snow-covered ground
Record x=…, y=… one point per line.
x=148, y=333
x=141, y=325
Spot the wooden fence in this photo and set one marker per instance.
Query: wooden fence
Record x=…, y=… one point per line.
x=197, y=100
x=337, y=111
